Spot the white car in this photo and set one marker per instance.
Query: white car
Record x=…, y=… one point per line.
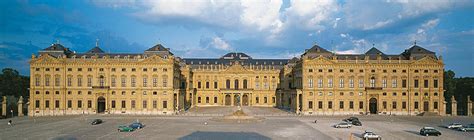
x=454, y=125
x=343, y=125
x=369, y=135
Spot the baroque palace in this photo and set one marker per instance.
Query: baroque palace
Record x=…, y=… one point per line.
x=319, y=82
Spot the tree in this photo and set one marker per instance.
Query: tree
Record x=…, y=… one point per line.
x=449, y=84
x=14, y=84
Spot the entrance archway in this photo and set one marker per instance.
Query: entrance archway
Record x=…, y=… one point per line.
x=227, y=100
x=245, y=100
x=236, y=100
x=100, y=104
x=426, y=106
x=373, y=106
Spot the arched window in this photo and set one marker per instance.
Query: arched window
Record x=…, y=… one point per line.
x=236, y=84
x=245, y=83
x=227, y=84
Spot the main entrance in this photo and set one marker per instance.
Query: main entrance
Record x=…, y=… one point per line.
x=245, y=100
x=227, y=100
x=426, y=105
x=373, y=106
x=101, y=105
x=236, y=100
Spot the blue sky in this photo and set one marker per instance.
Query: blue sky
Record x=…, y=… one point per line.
x=260, y=28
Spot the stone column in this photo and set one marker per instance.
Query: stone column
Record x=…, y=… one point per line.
x=4, y=106
x=232, y=99
x=469, y=106
x=454, y=110
x=443, y=110
x=20, y=107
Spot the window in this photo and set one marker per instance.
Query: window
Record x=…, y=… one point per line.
x=101, y=81
x=124, y=105
x=145, y=81
x=155, y=93
x=155, y=69
x=310, y=70
x=361, y=71
x=165, y=81
x=207, y=100
x=133, y=81
x=404, y=71
x=372, y=82
x=435, y=94
x=341, y=93
x=435, y=83
x=329, y=70
x=113, y=70
x=416, y=71
x=404, y=94
x=351, y=83
x=69, y=104
x=320, y=104
x=384, y=94
x=46, y=81
x=426, y=84
x=257, y=100
x=155, y=104
x=113, y=103
x=361, y=105
x=384, y=71
x=215, y=100
x=199, y=84
x=329, y=104
x=361, y=83
x=435, y=105
x=394, y=94
x=79, y=69
x=236, y=84
x=394, y=83
x=133, y=69
x=404, y=83
x=372, y=71
x=144, y=104
x=351, y=104
x=89, y=81
x=416, y=83
x=273, y=99
x=384, y=104
x=320, y=83
x=89, y=69
x=416, y=105
x=394, y=105
x=56, y=104
x=79, y=104
x=426, y=94
x=89, y=104
x=155, y=81
x=37, y=80
x=330, y=94
x=384, y=82
x=207, y=85
x=265, y=100
x=57, y=69
x=47, y=69
x=310, y=82
x=215, y=85
x=244, y=83
x=37, y=92
x=416, y=93
x=124, y=69
x=394, y=71
x=69, y=81
x=113, y=82
x=341, y=82
x=341, y=70
x=404, y=105
x=124, y=81
x=330, y=82
x=227, y=84
x=165, y=104
x=199, y=99
x=320, y=70
x=57, y=92
x=46, y=103
x=37, y=104
x=310, y=104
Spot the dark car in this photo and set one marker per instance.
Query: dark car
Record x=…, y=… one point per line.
x=350, y=119
x=136, y=125
x=426, y=131
x=356, y=123
x=96, y=121
x=466, y=128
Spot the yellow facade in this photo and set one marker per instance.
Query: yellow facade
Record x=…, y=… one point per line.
x=156, y=82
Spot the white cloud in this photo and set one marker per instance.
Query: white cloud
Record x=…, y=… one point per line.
x=264, y=15
x=220, y=44
x=311, y=13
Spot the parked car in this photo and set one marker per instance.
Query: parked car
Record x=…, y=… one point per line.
x=350, y=119
x=356, y=123
x=369, y=135
x=426, y=131
x=454, y=125
x=124, y=128
x=343, y=125
x=136, y=125
x=96, y=121
x=469, y=127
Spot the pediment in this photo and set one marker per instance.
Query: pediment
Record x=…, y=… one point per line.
x=426, y=60
x=154, y=60
x=236, y=68
x=46, y=59
x=320, y=60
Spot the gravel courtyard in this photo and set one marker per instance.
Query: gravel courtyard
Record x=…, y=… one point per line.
x=184, y=127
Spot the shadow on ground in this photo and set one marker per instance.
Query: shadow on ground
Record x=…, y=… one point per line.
x=204, y=135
